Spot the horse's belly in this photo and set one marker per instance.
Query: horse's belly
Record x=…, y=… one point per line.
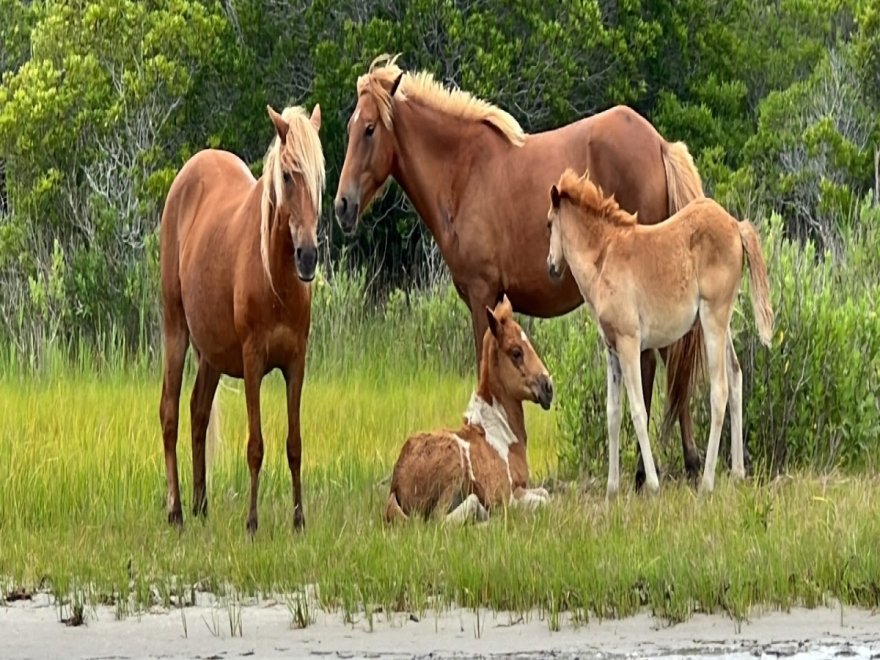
x=211, y=324
x=665, y=326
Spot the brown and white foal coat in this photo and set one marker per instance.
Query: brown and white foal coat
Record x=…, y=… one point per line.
x=465, y=473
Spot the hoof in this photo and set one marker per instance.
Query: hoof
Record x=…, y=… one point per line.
x=252, y=527
x=175, y=518
x=200, y=510
x=299, y=520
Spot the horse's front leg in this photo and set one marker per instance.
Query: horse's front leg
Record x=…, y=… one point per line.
x=530, y=498
x=254, y=369
x=612, y=413
x=628, y=354
x=480, y=295
x=294, y=378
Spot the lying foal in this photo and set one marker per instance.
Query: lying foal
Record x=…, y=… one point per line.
x=465, y=473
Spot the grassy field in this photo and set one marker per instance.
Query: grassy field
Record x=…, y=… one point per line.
x=82, y=513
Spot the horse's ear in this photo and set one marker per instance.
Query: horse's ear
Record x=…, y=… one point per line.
x=493, y=322
x=281, y=126
x=554, y=196
x=396, y=84
x=316, y=117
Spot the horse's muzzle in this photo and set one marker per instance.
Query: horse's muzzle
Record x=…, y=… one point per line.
x=543, y=390
x=346, y=214
x=306, y=262
x=554, y=273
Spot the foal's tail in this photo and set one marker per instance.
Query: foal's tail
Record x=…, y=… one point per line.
x=760, y=289
x=393, y=511
x=212, y=437
x=685, y=358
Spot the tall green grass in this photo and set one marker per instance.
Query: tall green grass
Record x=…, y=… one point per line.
x=82, y=512
x=82, y=506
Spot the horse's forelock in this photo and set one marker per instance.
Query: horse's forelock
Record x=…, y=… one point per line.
x=301, y=152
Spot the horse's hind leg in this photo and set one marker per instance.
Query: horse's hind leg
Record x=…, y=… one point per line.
x=176, y=343
x=254, y=369
x=691, y=456
x=734, y=400
x=628, y=354
x=648, y=364
x=715, y=333
x=470, y=509
x=200, y=412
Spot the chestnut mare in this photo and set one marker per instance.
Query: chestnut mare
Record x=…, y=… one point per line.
x=641, y=298
x=229, y=247
x=467, y=472
x=480, y=183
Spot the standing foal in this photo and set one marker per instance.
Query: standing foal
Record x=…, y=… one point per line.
x=484, y=464
x=647, y=286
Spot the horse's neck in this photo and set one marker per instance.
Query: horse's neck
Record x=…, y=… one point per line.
x=434, y=149
x=503, y=412
x=502, y=423
x=585, y=249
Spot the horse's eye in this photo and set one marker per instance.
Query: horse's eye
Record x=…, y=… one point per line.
x=516, y=354
x=287, y=177
x=370, y=129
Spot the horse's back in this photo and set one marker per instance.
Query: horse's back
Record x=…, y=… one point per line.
x=430, y=471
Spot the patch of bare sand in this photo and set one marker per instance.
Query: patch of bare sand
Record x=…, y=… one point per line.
x=31, y=629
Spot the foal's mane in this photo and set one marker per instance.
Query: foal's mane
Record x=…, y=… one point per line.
x=582, y=192
x=302, y=153
x=422, y=86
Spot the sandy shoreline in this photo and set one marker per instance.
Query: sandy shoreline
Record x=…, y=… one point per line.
x=31, y=629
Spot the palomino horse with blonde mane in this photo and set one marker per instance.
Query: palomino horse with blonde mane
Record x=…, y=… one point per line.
x=467, y=472
x=647, y=286
x=478, y=182
x=237, y=256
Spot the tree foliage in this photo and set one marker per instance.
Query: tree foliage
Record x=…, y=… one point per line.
x=102, y=101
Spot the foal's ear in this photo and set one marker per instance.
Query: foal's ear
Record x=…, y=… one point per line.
x=316, y=117
x=281, y=126
x=554, y=196
x=493, y=322
x=396, y=83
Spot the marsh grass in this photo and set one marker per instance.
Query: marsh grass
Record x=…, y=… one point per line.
x=82, y=514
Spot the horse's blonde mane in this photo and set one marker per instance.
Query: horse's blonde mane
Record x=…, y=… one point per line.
x=582, y=192
x=422, y=86
x=301, y=153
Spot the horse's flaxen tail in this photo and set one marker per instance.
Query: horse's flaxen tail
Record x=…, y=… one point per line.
x=759, y=289
x=685, y=358
x=212, y=436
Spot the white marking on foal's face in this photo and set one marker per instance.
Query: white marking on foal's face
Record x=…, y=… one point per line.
x=357, y=114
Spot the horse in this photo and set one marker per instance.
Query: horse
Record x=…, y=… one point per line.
x=482, y=465
x=478, y=182
x=646, y=286
x=237, y=256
